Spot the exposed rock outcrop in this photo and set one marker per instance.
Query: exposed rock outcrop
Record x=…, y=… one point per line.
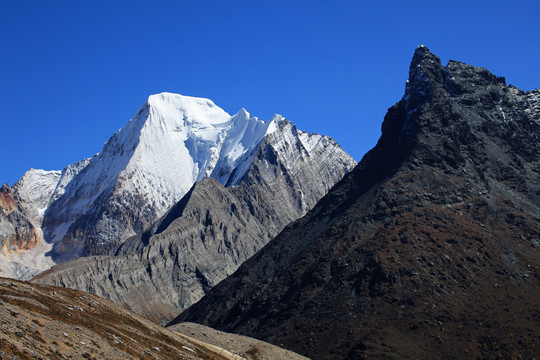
x=18, y=233
x=429, y=248
x=213, y=229
x=47, y=322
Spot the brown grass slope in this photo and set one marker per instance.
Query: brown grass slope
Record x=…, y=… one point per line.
x=428, y=249
x=47, y=322
x=241, y=346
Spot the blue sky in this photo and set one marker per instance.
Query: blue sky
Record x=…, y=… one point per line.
x=73, y=72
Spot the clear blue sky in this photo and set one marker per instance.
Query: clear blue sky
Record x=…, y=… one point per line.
x=73, y=72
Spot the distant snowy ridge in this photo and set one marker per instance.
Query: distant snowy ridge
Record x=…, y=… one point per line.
x=145, y=168
x=153, y=161
x=245, y=134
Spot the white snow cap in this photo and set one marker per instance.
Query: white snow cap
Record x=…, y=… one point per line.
x=146, y=167
x=172, y=141
x=245, y=133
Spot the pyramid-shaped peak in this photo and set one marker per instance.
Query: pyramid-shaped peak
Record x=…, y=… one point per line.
x=243, y=115
x=423, y=54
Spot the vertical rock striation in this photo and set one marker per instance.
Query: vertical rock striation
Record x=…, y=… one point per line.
x=213, y=229
x=93, y=206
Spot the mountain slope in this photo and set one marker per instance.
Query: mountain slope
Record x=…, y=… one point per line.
x=18, y=233
x=213, y=229
x=244, y=347
x=147, y=165
x=39, y=321
x=427, y=249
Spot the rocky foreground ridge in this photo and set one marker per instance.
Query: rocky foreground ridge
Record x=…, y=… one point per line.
x=46, y=322
x=429, y=248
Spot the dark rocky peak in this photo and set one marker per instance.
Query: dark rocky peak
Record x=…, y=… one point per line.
x=423, y=127
x=464, y=78
x=432, y=238
x=426, y=74
x=423, y=110
x=424, y=58
x=459, y=104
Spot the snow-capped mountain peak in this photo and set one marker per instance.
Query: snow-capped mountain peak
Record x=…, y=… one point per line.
x=245, y=134
x=150, y=163
x=175, y=112
x=146, y=167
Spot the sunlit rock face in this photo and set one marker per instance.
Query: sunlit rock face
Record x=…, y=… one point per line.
x=92, y=206
x=213, y=228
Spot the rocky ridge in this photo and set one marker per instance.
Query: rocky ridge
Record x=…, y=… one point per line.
x=212, y=230
x=427, y=249
x=93, y=206
x=18, y=233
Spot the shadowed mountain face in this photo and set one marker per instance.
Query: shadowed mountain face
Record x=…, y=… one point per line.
x=429, y=248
